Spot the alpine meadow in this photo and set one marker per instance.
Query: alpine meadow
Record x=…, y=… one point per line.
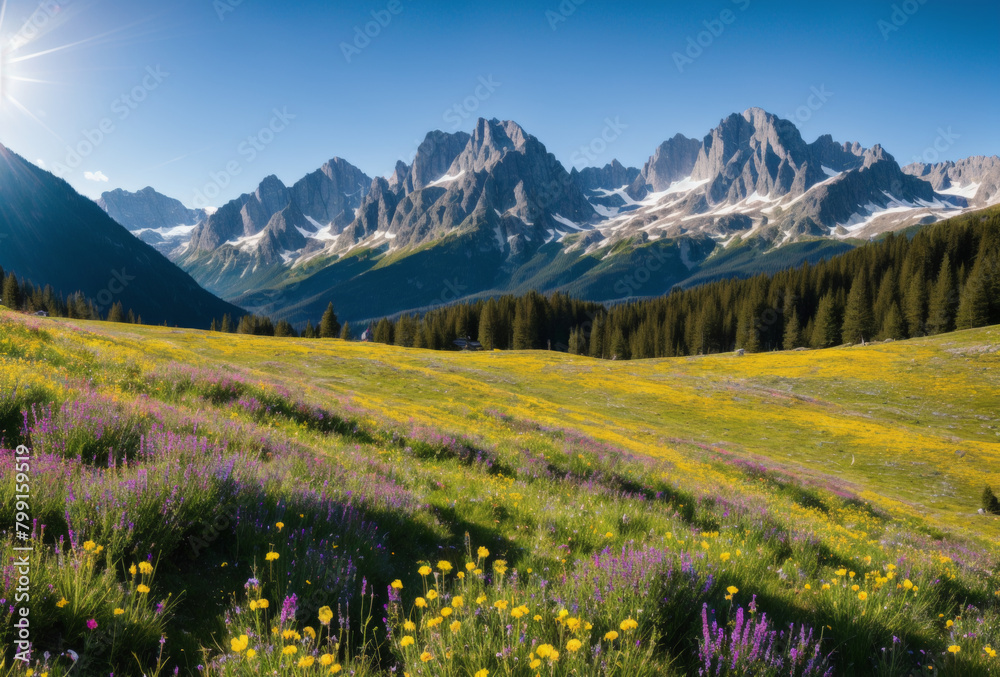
x=528, y=339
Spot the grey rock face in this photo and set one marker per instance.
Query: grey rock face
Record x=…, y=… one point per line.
x=434, y=158
x=948, y=176
x=332, y=193
x=672, y=161
x=610, y=177
x=148, y=210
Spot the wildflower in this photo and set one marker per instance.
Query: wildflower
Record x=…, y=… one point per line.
x=483, y=673
x=954, y=648
x=480, y=599
x=310, y=632
x=732, y=590
x=406, y=641
x=306, y=662
x=573, y=645
x=424, y=570
x=239, y=644
x=725, y=556
x=444, y=566
x=143, y=589
x=280, y=525
x=500, y=567
x=538, y=618
x=483, y=553
x=251, y=653
x=420, y=602
x=325, y=615
x=335, y=669
x=63, y=602
x=145, y=568
x=573, y=624
x=445, y=612
x=855, y=588
x=457, y=602
x=611, y=636
x=397, y=584
x=863, y=596
x=500, y=604
x=851, y=574
x=455, y=626
x=271, y=556
x=89, y=545
x=949, y=624
x=628, y=624
x=409, y=626
x=808, y=587
x=841, y=572
x=426, y=657
x=92, y=624
x=291, y=634
x=563, y=614
x=132, y=570
x=534, y=664
x=470, y=566
x=119, y=612
x=432, y=594
x=326, y=659
x=290, y=650
x=544, y=650
x=990, y=652
x=907, y=584
x=826, y=586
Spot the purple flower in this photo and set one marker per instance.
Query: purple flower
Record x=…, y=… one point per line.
x=92, y=624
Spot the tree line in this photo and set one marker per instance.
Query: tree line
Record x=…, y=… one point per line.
x=938, y=279
x=23, y=295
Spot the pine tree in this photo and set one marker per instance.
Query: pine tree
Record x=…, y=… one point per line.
x=826, y=332
x=310, y=331
x=214, y=327
x=12, y=293
x=619, y=346
x=597, y=337
x=131, y=317
x=345, y=333
x=859, y=322
x=525, y=325
x=329, y=327
x=793, y=332
x=117, y=313
x=284, y=329
x=893, y=326
x=488, y=326
x=384, y=332
x=915, y=306
x=941, y=308
x=974, y=308
x=227, y=324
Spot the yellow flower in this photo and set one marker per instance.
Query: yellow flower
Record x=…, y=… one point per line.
x=251, y=653
x=949, y=624
x=573, y=624
x=470, y=566
x=725, y=556
x=426, y=657
x=851, y=574
x=253, y=605
x=420, y=602
x=335, y=669
x=841, y=572
x=432, y=594
x=446, y=612
x=628, y=624
x=573, y=645
x=908, y=584
x=862, y=595
x=480, y=599
x=406, y=641
x=89, y=545
x=544, y=650
x=132, y=570
x=611, y=636
x=409, y=626
x=855, y=588
x=145, y=568
x=263, y=603
x=808, y=587
x=563, y=614
x=424, y=570
x=397, y=584
x=554, y=656
x=444, y=566
x=457, y=602
x=954, y=648
x=309, y=631
x=326, y=659
x=142, y=588
x=500, y=567
x=535, y=663
x=455, y=626
x=271, y=556
x=826, y=586
x=280, y=525
x=483, y=673
x=63, y=602
x=990, y=652
x=538, y=618
x=325, y=615
x=290, y=650
x=291, y=634
x=119, y=612
x=239, y=644
x=500, y=604
x=732, y=590
x=483, y=553
x=306, y=662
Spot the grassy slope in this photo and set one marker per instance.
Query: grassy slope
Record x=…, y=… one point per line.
x=903, y=411
x=882, y=422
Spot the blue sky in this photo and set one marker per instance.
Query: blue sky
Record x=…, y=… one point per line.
x=212, y=74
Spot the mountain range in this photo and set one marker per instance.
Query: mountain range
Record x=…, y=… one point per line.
x=493, y=211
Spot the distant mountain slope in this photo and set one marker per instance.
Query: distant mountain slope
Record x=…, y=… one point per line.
x=53, y=235
x=156, y=219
